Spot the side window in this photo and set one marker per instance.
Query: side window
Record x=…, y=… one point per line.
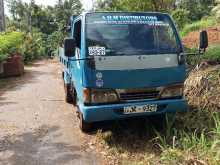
x=77, y=33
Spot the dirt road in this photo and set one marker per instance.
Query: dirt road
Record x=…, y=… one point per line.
x=36, y=126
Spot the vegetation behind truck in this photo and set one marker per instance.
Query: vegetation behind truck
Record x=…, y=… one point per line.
x=124, y=64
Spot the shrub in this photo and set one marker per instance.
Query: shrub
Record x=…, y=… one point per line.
x=181, y=17
x=204, y=23
x=10, y=43
x=33, y=46
x=213, y=53
x=53, y=41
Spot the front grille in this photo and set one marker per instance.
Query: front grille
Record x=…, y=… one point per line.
x=138, y=94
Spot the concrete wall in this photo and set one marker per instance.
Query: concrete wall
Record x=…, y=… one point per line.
x=13, y=66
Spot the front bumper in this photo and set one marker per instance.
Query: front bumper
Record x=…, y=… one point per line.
x=114, y=111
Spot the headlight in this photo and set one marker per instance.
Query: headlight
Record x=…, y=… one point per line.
x=99, y=96
x=173, y=91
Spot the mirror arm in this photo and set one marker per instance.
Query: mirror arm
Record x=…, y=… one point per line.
x=189, y=54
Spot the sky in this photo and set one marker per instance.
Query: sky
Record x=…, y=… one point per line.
x=87, y=4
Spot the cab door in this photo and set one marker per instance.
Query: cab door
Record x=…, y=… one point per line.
x=77, y=66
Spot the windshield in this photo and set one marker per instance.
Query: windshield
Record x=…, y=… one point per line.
x=130, y=34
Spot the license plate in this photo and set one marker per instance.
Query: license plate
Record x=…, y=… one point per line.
x=140, y=109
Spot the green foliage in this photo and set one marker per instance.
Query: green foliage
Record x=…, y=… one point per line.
x=212, y=53
x=195, y=26
x=197, y=9
x=10, y=43
x=27, y=16
x=139, y=5
x=191, y=138
x=33, y=46
x=41, y=24
x=53, y=41
x=194, y=137
x=183, y=11
x=181, y=17
x=64, y=9
x=216, y=10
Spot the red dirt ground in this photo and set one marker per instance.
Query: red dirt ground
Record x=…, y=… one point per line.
x=192, y=39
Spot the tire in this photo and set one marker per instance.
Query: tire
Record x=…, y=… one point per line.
x=68, y=95
x=74, y=97
x=84, y=126
x=63, y=75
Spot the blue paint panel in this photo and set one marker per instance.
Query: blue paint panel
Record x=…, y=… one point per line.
x=114, y=111
x=136, y=78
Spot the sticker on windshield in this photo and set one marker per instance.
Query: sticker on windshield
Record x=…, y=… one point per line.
x=96, y=51
x=128, y=19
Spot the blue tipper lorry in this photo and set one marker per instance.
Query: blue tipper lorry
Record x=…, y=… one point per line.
x=119, y=65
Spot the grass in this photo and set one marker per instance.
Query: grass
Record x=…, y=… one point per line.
x=193, y=139
x=213, y=53
x=198, y=25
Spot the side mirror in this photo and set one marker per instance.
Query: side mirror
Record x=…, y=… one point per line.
x=203, y=40
x=69, y=47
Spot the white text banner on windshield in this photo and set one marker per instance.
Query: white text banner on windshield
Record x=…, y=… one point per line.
x=116, y=19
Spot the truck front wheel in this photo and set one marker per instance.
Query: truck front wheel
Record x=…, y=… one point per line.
x=84, y=126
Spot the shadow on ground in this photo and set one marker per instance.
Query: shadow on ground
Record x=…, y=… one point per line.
x=35, y=148
x=134, y=135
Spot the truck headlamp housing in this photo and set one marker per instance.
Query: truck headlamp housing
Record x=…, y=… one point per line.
x=100, y=96
x=173, y=91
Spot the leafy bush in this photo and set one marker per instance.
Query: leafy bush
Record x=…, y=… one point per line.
x=30, y=45
x=10, y=43
x=53, y=41
x=33, y=46
x=204, y=23
x=216, y=10
x=213, y=53
x=181, y=17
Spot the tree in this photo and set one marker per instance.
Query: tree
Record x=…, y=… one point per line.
x=42, y=23
x=197, y=8
x=25, y=16
x=181, y=17
x=46, y=19
x=138, y=5
x=216, y=9
x=64, y=9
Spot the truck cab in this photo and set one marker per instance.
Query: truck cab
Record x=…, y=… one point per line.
x=119, y=65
